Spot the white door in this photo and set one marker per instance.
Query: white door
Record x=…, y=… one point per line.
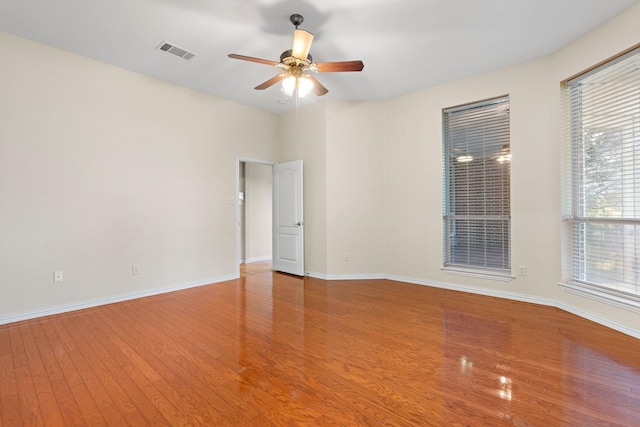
x=288, y=219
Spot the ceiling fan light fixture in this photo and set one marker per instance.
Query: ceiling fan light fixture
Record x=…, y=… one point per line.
x=296, y=65
x=305, y=86
x=301, y=84
x=289, y=85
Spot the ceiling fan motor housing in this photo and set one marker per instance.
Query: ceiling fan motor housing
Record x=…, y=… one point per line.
x=288, y=54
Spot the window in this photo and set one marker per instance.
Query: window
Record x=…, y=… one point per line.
x=601, y=182
x=476, y=166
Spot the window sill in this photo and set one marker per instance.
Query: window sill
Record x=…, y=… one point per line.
x=602, y=295
x=479, y=274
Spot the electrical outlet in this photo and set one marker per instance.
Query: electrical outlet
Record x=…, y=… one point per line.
x=346, y=256
x=522, y=270
x=57, y=276
x=135, y=269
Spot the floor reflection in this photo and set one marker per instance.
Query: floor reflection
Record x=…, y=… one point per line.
x=594, y=380
x=474, y=366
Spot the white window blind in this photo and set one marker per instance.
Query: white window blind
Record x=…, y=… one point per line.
x=601, y=183
x=476, y=167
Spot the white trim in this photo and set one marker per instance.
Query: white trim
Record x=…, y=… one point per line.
x=478, y=274
x=495, y=293
x=527, y=298
x=257, y=259
x=108, y=300
x=356, y=277
x=322, y=276
x=259, y=161
x=241, y=159
x=598, y=319
x=315, y=275
x=449, y=286
x=474, y=290
x=602, y=296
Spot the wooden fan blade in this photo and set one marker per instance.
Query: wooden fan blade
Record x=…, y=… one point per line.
x=270, y=82
x=301, y=44
x=252, y=59
x=318, y=89
x=332, y=67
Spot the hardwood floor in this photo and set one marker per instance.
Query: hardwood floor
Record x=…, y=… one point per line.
x=252, y=268
x=271, y=350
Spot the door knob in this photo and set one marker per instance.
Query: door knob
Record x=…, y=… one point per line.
x=298, y=224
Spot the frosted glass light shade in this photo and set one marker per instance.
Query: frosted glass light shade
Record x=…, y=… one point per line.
x=301, y=44
x=289, y=85
x=305, y=86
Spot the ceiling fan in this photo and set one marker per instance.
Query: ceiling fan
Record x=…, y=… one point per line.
x=297, y=65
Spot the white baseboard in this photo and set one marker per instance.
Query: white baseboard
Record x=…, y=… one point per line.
x=450, y=286
x=599, y=319
x=479, y=291
x=372, y=276
x=526, y=298
x=494, y=293
x=108, y=300
x=257, y=259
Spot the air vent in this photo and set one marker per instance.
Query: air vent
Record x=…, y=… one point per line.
x=175, y=50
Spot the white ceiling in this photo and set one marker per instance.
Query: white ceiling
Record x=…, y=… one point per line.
x=406, y=45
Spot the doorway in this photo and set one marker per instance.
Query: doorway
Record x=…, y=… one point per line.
x=254, y=196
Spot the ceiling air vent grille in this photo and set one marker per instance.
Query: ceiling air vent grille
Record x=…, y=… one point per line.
x=175, y=50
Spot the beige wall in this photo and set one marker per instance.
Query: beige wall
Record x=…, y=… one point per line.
x=413, y=155
x=355, y=187
x=341, y=144
x=101, y=168
x=413, y=183
x=303, y=137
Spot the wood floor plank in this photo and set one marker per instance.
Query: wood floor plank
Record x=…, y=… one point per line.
x=83, y=363
x=71, y=414
x=61, y=348
x=91, y=415
x=121, y=400
x=5, y=341
x=170, y=412
x=175, y=383
x=271, y=349
x=34, y=360
x=10, y=410
x=46, y=400
x=7, y=376
x=62, y=333
x=30, y=412
x=143, y=404
x=253, y=268
x=65, y=402
x=110, y=393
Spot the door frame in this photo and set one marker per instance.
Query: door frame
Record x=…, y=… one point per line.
x=240, y=159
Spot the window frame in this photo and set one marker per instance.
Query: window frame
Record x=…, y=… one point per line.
x=449, y=214
x=574, y=216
